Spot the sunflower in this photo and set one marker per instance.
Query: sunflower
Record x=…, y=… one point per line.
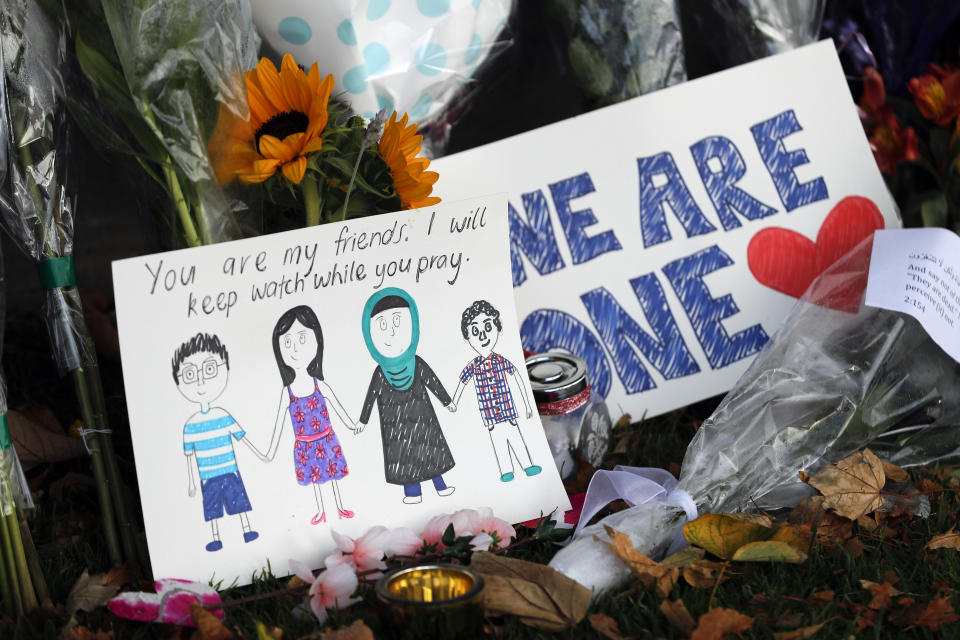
x=288, y=111
x=399, y=146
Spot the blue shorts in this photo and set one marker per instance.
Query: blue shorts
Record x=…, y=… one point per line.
x=224, y=492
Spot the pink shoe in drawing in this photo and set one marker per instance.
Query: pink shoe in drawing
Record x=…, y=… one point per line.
x=318, y=518
x=345, y=513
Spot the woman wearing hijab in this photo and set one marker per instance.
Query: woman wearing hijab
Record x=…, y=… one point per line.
x=414, y=448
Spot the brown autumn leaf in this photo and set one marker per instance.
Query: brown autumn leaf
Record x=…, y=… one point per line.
x=676, y=613
x=937, y=612
x=650, y=573
x=929, y=488
x=684, y=557
x=39, y=437
x=209, y=627
x=799, y=634
x=271, y=633
x=723, y=534
x=948, y=540
x=851, y=488
x=821, y=598
x=605, y=626
x=717, y=622
x=882, y=593
x=796, y=535
x=89, y=593
x=535, y=593
x=703, y=574
x=356, y=631
x=893, y=472
x=119, y=576
x=82, y=633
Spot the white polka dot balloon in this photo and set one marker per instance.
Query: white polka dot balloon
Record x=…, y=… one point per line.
x=408, y=55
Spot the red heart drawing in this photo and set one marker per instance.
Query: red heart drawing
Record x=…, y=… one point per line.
x=788, y=262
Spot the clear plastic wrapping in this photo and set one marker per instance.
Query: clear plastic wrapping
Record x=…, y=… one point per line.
x=828, y=384
x=415, y=57
x=36, y=208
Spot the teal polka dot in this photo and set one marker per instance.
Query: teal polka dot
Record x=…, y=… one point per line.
x=430, y=59
x=355, y=79
x=422, y=106
x=476, y=4
x=377, y=9
x=473, y=50
x=346, y=33
x=294, y=30
x=375, y=57
x=384, y=102
x=367, y=115
x=433, y=8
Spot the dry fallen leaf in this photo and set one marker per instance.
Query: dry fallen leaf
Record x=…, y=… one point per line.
x=356, y=631
x=882, y=593
x=650, y=573
x=851, y=488
x=537, y=594
x=89, y=593
x=893, y=472
x=723, y=534
x=937, y=612
x=676, y=613
x=821, y=598
x=83, y=633
x=39, y=440
x=716, y=623
x=209, y=626
x=796, y=535
x=799, y=634
x=272, y=633
x=769, y=551
x=605, y=626
x=703, y=574
x=948, y=540
x=119, y=576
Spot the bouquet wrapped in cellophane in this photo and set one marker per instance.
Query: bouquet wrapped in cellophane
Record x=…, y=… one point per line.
x=37, y=211
x=829, y=383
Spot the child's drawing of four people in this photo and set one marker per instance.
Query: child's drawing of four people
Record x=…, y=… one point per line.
x=414, y=447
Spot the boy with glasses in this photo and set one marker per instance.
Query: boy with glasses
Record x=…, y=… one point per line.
x=200, y=369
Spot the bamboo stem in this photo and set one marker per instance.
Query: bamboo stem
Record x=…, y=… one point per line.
x=33, y=561
x=6, y=588
x=11, y=566
x=311, y=200
x=20, y=558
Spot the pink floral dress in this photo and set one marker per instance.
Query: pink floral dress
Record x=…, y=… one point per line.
x=317, y=455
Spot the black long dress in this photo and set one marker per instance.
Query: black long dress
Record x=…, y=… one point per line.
x=414, y=448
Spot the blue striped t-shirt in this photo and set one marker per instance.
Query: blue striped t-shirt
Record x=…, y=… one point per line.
x=210, y=440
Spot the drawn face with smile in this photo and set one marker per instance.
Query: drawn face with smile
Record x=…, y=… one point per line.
x=391, y=331
x=202, y=377
x=298, y=345
x=482, y=334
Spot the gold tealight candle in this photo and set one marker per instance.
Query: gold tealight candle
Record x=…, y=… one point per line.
x=435, y=600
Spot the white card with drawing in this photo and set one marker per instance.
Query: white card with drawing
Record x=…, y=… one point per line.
x=338, y=377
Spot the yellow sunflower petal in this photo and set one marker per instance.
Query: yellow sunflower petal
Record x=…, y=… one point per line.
x=294, y=85
x=269, y=80
x=273, y=148
x=259, y=171
x=313, y=144
x=294, y=171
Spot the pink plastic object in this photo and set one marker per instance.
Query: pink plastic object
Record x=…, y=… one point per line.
x=170, y=604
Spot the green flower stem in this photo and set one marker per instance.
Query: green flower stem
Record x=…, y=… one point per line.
x=33, y=561
x=20, y=558
x=6, y=587
x=311, y=199
x=11, y=564
x=353, y=177
x=93, y=440
x=205, y=237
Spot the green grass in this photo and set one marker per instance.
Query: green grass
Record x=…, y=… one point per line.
x=66, y=532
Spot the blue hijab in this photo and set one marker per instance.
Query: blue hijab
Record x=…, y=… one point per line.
x=398, y=370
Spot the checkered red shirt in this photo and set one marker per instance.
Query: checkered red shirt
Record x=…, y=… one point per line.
x=493, y=390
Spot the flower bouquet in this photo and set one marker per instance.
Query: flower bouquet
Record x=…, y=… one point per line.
x=829, y=383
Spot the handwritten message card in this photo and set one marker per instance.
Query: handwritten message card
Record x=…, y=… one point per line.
x=336, y=377
x=663, y=239
x=917, y=271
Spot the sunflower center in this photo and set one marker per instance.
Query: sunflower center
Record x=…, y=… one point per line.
x=282, y=125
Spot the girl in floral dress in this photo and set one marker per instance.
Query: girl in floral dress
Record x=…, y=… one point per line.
x=305, y=398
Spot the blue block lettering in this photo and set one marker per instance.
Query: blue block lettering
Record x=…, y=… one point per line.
x=720, y=185
x=706, y=312
x=667, y=352
x=547, y=329
x=582, y=246
x=536, y=239
x=672, y=191
x=780, y=163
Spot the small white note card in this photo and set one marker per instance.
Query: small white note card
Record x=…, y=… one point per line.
x=917, y=271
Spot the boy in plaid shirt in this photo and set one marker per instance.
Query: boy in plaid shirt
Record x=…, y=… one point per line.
x=481, y=326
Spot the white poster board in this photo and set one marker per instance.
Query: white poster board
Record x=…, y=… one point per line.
x=341, y=345
x=663, y=239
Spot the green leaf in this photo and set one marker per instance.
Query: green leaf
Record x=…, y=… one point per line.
x=933, y=211
x=449, y=536
x=769, y=551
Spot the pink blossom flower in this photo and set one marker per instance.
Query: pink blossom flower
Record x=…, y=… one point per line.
x=487, y=523
x=433, y=531
x=365, y=553
x=331, y=588
x=468, y=522
x=404, y=542
x=481, y=542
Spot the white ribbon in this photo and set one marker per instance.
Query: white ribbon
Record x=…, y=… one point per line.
x=633, y=485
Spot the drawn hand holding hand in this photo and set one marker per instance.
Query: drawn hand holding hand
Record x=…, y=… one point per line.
x=451, y=407
x=359, y=427
x=529, y=413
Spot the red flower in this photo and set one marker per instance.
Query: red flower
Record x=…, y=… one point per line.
x=312, y=403
x=315, y=473
x=299, y=475
x=329, y=437
x=296, y=446
x=299, y=415
x=302, y=457
x=332, y=468
x=343, y=470
x=892, y=144
x=337, y=451
x=318, y=450
x=937, y=99
x=874, y=93
x=315, y=423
